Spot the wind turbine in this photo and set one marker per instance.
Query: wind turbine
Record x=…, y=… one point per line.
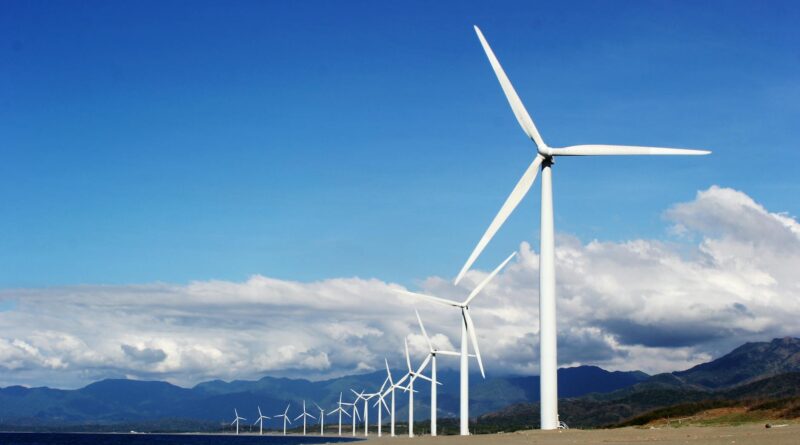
x=467, y=331
x=410, y=388
x=305, y=416
x=432, y=351
x=236, y=420
x=544, y=160
x=392, y=386
x=355, y=412
x=341, y=411
x=365, y=397
x=285, y=416
x=260, y=421
x=321, y=419
x=378, y=403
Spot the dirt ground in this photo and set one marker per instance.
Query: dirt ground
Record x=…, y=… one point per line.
x=711, y=435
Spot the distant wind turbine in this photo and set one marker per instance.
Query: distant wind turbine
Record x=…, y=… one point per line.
x=544, y=160
x=286, y=419
x=467, y=334
x=390, y=390
x=236, y=420
x=305, y=416
x=410, y=388
x=321, y=419
x=260, y=421
x=431, y=358
x=365, y=397
x=378, y=403
x=340, y=411
x=355, y=412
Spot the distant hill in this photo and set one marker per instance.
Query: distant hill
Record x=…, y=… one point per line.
x=749, y=362
x=753, y=371
x=109, y=403
x=590, y=396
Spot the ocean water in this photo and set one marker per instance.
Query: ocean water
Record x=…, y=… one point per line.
x=161, y=439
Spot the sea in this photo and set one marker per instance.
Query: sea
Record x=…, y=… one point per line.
x=162, y=439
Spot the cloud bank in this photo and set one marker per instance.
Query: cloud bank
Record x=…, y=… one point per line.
x=727, y=274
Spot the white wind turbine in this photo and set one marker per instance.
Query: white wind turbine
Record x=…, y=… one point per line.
x=431, y=358
x=544, y=159
x=365, y=397
x=236, y=420
x=321, y=419
x=260, y=421
x=305, y=416
x=341, y=411
x=378, y=403
x=286, y=419
x=392, y=386
x=355, y=412
x=410, y=388
x=467, y=330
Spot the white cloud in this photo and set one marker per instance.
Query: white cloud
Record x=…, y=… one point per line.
x=728, y=276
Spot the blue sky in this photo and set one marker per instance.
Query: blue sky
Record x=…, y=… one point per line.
x=179, y=141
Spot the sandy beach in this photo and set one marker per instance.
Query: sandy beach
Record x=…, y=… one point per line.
x=717, y=435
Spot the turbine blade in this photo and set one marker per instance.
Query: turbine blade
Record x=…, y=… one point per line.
x=428, y=297
x=610, y=150
x=423, y=377
x=402, y=379
x=301, y=415
x=486, y=280
x=523, y=185
x=388, y=373
x=383, y=385
x=422, y=327
x=424, y=364
x=318, y=407
x=408, y=357
x=520, y=112
x=474, y=338
x=453, y=353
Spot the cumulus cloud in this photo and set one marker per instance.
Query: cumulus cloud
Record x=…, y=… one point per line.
x=727, y=275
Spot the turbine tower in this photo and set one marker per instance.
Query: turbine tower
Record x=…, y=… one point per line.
x=236, y=420
x=467, y=331
x=286, y=419
x=544, y=160
x=305, y=416
x=341, y=411
x=260, y=421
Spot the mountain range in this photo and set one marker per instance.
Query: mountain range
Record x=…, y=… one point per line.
x=590, y=396
x=109, y=404
x=753, y=374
